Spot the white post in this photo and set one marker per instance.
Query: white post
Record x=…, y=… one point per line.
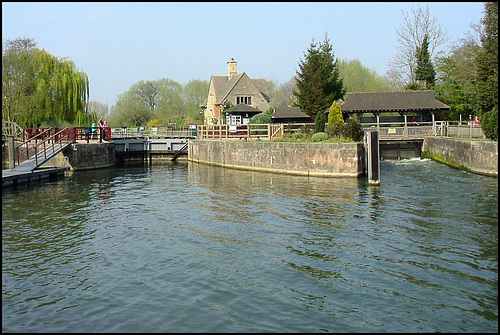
x=434, y=125
x=405, y=131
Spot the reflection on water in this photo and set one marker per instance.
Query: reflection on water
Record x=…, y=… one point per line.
x=182, y=247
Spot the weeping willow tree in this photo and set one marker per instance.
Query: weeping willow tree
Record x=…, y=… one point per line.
x=41, y=88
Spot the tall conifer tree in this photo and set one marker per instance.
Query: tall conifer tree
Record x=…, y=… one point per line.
x=425, y=72
x=318, y=81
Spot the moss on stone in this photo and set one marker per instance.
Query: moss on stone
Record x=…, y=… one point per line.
x=441, y=159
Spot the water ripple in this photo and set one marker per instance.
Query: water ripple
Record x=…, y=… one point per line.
x=193, y=248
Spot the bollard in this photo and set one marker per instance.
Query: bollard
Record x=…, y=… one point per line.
x=373, y=150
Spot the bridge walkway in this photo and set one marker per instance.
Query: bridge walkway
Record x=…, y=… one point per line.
x=31, y=168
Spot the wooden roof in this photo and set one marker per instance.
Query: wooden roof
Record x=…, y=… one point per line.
x=391, y=102
x=288, y=113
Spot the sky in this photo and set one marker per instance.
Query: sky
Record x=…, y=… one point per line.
x=119, y=44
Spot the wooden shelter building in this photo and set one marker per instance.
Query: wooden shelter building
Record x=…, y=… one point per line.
x=290, y=115
x=421, y=106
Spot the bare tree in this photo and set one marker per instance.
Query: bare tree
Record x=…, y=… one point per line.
x=24, y=44
x=417, y=24
x=148, y=93
x=98, y=108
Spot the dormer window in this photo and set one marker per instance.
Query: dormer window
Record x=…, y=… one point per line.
x=244, y=100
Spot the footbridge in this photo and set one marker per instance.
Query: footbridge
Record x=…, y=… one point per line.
x=401, y=141
x=32, y=153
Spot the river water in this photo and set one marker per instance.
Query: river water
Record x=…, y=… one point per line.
x=182, y=247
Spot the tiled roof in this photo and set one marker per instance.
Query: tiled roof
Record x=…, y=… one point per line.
x=391, y=101
x=223, y=86
x=288, y=112
x=242, y=108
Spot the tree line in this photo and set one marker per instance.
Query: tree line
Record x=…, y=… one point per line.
x=465, y=78
x=160, y=102
x=38, y=88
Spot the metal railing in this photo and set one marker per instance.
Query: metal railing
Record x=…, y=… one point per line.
x=401, y=130
x=458, y=129
x=37, y=134
x=89, y=133
x=50, y=139
x=167, y=131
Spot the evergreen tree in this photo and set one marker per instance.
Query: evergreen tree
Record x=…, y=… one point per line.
x=425, y=70
x=335, y=114
x=318, y=82
x=320, y=122
x=487, y=73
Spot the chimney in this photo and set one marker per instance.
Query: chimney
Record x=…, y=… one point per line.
x=231, y=68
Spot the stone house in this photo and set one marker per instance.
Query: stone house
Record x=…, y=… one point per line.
x=237, y=89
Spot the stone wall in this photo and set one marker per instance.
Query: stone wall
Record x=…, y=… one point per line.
x=90, y=156
x=310, y=159
x=479, y=157
x=80, y=156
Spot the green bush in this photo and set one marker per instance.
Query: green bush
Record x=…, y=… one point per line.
x=320, y=136
x=298, y=136
x=262, y=118
x=319, y=124
x=489, y=124
x=336, y=130
x=348, y=130
x=353, y=130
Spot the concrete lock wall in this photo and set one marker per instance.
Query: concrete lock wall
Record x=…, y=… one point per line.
x=475, y=156
x=311, y=159
x=78, y=157
x=85, y=156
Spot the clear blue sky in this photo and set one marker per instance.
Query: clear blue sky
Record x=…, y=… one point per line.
x=119, y=44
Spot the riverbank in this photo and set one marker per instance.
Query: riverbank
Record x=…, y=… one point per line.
x=310, y=159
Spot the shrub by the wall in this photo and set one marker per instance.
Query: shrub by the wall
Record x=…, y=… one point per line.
x=318, y=137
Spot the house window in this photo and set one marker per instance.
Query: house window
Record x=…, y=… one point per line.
x=235, y=119
x=244, y=100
